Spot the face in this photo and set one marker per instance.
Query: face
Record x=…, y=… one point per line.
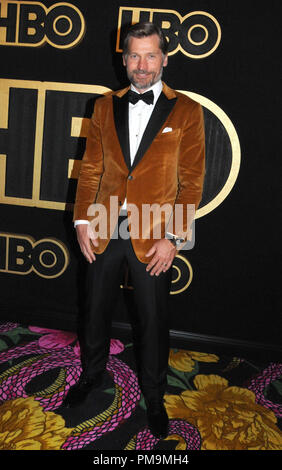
x=144, y=61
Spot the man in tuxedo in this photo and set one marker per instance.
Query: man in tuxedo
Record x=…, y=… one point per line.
x=145, y=146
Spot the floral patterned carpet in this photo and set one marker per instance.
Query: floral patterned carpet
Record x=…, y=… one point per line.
x=213, y=402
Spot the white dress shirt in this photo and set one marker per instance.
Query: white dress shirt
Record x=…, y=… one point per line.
x=138, y=118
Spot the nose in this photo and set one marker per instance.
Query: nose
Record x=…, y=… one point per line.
x=142, y=65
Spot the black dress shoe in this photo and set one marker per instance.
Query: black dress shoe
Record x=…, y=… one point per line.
x=157, y=420
x=79, y=392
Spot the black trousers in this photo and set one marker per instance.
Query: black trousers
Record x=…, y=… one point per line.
x=149, y=320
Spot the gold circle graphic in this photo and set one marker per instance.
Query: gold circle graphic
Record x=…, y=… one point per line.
x=199, y=43
x=179, y=274
x=44, y=264
x=190, y=275
x=63, y=248
x=201, y=56
x=70, y=25
x=82, y=29
x=236, y=152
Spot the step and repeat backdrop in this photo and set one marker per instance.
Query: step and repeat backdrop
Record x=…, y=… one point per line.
x=56, y=59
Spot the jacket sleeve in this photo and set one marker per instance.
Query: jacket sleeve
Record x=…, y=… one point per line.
x=91, y=170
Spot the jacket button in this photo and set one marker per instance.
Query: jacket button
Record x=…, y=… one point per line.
x=130, y=177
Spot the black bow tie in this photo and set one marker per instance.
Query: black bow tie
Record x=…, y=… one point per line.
x=148, y=97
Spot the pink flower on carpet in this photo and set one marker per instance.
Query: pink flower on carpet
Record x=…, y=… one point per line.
x=76, y=349
x=56, y=339
x=116, y=346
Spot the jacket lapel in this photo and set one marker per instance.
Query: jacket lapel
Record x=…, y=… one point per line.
x=120, y=108
x=162, y=109
x=159, y=115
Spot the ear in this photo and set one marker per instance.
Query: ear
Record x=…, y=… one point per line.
x=165, y=61
x=124, y=60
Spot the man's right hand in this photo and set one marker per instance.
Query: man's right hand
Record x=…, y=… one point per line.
x=84, y=234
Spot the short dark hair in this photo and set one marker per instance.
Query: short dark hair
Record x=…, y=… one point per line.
x=140, y=30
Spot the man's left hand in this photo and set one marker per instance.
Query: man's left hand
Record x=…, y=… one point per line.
x=164, y=253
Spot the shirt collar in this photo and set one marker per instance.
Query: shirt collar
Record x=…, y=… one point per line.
x=157, y=89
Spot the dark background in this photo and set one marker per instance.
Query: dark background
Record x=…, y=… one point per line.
x=235, y=293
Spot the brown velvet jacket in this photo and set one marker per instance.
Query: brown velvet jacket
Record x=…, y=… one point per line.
x=168, y=167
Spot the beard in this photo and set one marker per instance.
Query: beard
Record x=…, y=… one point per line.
x=143, y=84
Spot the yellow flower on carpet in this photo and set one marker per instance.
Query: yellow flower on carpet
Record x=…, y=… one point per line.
x=185, y=360
x=227, y=418
x=24, y=425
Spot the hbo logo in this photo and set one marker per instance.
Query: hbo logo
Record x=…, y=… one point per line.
x=196, y=34
x=32, y=24
x=20, y=254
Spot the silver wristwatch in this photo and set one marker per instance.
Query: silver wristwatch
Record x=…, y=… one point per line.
x=176, y=241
